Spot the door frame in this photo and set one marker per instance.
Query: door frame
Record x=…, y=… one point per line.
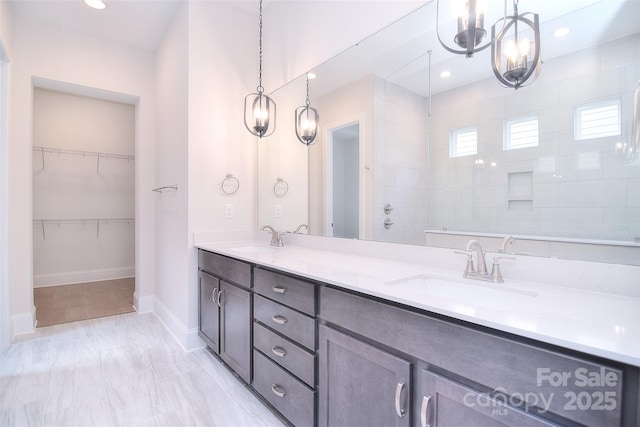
x=327, y=161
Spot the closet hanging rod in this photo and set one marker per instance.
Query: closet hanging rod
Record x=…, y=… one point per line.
x=95, y=154
x=83, y=221
x=84, y=153
x=166, y=187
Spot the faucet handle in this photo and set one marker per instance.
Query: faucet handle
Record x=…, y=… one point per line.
x=469, y=269
x=496, y=274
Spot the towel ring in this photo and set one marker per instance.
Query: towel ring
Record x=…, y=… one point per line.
x=230, y=184
x=280, y=188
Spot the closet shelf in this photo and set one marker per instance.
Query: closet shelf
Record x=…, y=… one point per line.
x=80, y=153
x=81, y=221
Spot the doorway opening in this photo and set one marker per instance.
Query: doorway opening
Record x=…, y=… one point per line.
x=83, y=207
x=343, y=182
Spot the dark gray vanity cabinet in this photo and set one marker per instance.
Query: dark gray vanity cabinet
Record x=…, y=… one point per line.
x=225, y=309
x=285, y=343
x=461, y=374
x=361, y=384
x=209, y=311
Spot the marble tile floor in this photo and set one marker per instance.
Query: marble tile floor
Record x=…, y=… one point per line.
x=123, y=370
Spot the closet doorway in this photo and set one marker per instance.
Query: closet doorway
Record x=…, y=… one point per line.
x=83, y=207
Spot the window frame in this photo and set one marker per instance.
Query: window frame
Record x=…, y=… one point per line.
x=507, y=131
x=453, y=141
x=593, y=105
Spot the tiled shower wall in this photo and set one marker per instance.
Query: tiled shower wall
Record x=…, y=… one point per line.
x=576, y=188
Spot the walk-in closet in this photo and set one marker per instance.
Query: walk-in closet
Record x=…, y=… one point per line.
x=83, y=207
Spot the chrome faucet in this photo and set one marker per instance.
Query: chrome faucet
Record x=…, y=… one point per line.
x=301, y=226
x=481, y=274
x=482, y=264
x=276, y=238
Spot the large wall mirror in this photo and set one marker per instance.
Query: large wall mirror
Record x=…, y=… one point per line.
x=423, y=148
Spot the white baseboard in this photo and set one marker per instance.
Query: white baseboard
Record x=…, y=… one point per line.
x=143, y=304
x=187, y=338
x=23, y=323
x=66, y=278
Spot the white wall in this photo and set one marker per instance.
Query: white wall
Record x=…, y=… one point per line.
x=299, y=35
x=94, y=67
x=6, y=27
x=171, y=169
x=71, y=186
x=221, y=73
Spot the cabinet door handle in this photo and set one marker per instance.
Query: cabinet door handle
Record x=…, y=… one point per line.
x=214, y=296
x=279, y=351
x=279, y=289
x=280, y=320
x=424, y=411
x=399, y=410
x=220, y=303
x=278, y=391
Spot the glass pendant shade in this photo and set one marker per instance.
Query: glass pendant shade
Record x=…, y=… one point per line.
x=307, y=120
x=515, y=55
x=470, y=29
x=259, y=113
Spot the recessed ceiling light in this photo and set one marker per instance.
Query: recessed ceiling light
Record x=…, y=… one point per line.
x=96, y=4
x=560, y=32
x=445, y=74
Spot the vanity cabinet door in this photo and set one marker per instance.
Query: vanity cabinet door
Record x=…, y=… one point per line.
x=446, y=403
x=208, y=311
x=235, y=328
x=361, y=385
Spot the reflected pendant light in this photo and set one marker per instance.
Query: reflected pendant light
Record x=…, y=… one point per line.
x=307, y=121
x=515, y=58
x=259, y=109
x=470, y=30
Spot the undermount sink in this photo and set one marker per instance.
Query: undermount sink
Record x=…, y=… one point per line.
x=250, y=249
x=464, y=292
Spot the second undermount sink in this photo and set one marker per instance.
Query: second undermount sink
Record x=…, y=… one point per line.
x=464, y=292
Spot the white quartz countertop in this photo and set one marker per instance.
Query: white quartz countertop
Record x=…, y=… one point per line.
x=596, y=323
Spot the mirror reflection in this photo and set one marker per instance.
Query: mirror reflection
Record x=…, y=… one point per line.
x=450, y=153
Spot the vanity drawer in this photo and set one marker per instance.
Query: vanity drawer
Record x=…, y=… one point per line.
x=290, y=356
x=293, y=324
x=234, y=271
x=285, y=392
x=285, y=289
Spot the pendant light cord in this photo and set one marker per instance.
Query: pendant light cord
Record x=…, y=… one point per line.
x=260, y=89
x=307, y=102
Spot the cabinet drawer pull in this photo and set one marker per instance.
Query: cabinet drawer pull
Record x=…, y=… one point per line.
x=424, y=411
x=279, y=289
x=280, y=320
x=214, y=296
x=220, y=302
x=279, y=351
x=400, y=411
x=278, y=391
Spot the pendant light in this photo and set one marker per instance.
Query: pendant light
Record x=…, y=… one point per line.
x=259, y=109
x=307, y=120
x=471, y=32
x=515, y=58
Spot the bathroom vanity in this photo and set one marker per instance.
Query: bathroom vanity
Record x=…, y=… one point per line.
x=331, y=339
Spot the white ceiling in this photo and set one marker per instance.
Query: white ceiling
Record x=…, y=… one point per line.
x=140, y=23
